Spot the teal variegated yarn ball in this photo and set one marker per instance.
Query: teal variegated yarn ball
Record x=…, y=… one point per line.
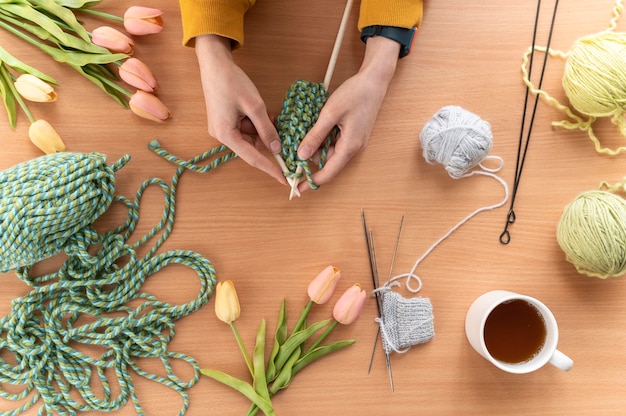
x=592, y=233
x=301, y=108
x=47, y=205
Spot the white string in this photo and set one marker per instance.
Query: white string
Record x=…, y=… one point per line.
x=410, y=276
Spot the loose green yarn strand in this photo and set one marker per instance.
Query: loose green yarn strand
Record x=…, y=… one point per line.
x=48, y=206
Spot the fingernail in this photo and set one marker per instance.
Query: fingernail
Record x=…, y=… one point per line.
x=275, y=146
x=304, y=152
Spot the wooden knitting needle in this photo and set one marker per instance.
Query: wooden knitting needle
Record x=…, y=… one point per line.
x=329, y=74
x=285, y=169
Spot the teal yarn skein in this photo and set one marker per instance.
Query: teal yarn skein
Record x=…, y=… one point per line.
x=95, y=301
x=37, y=215
x=592, y=234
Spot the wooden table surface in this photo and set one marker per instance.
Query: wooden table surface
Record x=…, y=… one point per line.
x=466, y=54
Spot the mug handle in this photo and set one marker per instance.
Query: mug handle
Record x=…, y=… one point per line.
x=561, y=361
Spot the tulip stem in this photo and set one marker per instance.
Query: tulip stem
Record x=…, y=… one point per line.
x=322, y=337
x=101, y=14
x=302, y=321
x=242, y=348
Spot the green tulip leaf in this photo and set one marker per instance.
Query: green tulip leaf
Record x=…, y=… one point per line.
x=78, y=4
x=279, y=339
x=283, y=380
x=319, y=352
x=258, y=362
x=23, y=68
x=295, y=340
x=242, y=387
x=6, y=91
x=93, y=76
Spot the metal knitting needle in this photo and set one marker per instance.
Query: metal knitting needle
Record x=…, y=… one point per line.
x=393, y=261
x=369, y=240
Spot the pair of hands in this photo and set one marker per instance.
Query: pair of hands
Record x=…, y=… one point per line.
x=238, y=118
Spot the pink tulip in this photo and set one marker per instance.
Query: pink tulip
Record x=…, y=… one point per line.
x=350, y=305
x=112, y=39
x=134, y=72
x=322, y=287
x=143, y=20
x=148, y=106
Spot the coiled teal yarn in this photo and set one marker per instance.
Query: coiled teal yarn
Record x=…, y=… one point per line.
x=592, y=233
x=37, y=210
x=75, y=341
x=301, y=108
x=456, y=138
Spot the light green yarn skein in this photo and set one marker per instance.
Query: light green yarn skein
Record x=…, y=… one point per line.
x=594, y=77
x=592, y=233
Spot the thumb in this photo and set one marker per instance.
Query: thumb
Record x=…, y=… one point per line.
x=315, y=137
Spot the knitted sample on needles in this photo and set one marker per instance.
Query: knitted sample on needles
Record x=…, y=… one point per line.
x=74, y=340
x=301, y=108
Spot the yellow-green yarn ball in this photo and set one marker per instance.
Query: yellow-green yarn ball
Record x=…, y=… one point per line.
x=592, y=233
x=594, y=77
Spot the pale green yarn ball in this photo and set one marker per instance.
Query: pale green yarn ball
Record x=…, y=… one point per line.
x=592, y=233
x=594, y=77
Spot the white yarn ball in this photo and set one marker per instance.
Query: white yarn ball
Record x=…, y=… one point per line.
x=456, y=138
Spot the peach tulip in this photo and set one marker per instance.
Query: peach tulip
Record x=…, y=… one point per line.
x=226, y=302
x=140, y=20
x=350, y=304
x=112, y=39
x=43, y=135
x=136, y=73
x=322, y=287
x=148, y=106
x=34, y=89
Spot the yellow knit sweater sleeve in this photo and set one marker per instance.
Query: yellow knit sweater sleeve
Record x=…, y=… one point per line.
x=218, y=17
x=400, y=13
x=225, y=17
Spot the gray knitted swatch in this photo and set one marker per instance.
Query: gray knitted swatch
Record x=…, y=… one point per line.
x=405, y=322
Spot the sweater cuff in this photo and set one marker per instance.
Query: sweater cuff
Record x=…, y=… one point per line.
x=224, y=18
x=399, y=13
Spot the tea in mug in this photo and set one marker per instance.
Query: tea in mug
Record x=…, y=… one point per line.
x=514, y=331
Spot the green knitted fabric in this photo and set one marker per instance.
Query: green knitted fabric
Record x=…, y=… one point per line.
x=301, y=108
x=48, y=206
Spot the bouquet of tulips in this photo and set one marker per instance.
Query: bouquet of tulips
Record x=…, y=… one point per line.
x=291, y=352
x=53, y=27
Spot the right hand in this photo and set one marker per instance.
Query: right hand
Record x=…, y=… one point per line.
x=236, y=113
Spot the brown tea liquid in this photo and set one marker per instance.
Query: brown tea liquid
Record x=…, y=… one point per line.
x=514, y=332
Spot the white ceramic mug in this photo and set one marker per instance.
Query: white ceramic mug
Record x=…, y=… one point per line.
x=476, y=318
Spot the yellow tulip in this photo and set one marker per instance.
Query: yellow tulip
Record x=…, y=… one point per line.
x=350, y=304
x=43, y=135
x=322, y=287
x=140, y=20
x=34, y=89
x=226, y=302
x=148, y=106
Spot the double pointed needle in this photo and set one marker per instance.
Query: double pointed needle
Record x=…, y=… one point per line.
x=369, y=240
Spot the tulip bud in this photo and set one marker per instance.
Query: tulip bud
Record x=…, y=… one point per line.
x=148, y=106
x=34, y=89
x=136, y=73
x=350, y=305
x=226, y=302
x=112, y=39
x=140, y=20
x=45, y=137
x=322, y=287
